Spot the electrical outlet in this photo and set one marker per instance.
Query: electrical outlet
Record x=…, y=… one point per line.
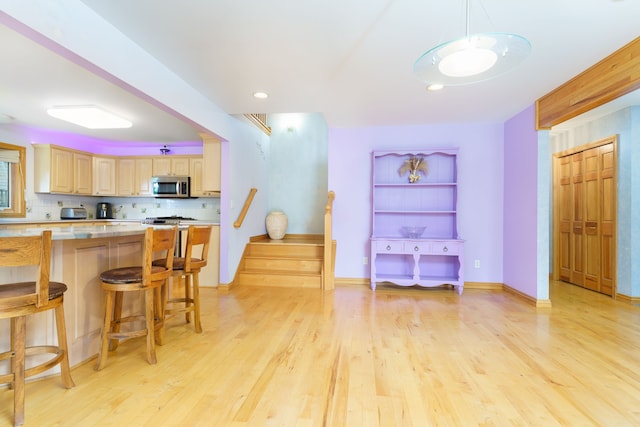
x=476, y=263
x=365, y=260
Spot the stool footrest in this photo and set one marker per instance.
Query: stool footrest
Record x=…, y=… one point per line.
x=39, y=368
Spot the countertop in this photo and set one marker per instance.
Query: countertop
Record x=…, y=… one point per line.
x=53, y=222
x=83, y=231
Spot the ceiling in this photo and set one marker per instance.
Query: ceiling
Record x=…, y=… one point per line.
x=350, y=60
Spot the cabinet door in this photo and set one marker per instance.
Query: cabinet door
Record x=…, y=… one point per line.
x=196, y=169
x=211, y=169
x=175, y=166
x=209, y=276
x=144, y=172
x=161, y=166
x=61, y=171
x=104, y=176
x=180, y=166
x=126, y=177
x=83, y=173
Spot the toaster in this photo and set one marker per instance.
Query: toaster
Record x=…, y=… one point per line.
x=73, y=213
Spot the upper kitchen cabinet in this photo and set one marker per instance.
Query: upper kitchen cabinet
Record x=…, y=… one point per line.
x=211, y=165
x=82, y=173
x=175, y=166
x=104, y=176
x=59, y=170
x=196, y=165
x=134, y=176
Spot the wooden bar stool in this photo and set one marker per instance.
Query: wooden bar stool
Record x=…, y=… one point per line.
x=146, y=278
x=188, y=268
x=18, y=300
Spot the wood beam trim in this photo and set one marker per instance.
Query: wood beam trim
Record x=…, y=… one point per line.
x=614, y=76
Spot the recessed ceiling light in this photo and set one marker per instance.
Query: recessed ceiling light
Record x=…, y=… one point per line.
x=435, y=87
x=89, y=116
x=260, y=95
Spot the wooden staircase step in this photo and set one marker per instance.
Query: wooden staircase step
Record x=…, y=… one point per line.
x=295, y=261
x=285, y=250
x=306, y=265
x=279, y=279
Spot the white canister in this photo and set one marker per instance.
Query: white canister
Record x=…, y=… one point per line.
x=276, y=223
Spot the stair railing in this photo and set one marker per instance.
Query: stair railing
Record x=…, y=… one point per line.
x=245, y=208
x=329, y=247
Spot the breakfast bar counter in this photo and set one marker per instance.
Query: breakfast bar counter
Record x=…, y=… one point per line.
x=75, y=232
x=78, y=255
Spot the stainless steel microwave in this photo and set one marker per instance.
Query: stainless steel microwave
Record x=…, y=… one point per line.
x=171, y=186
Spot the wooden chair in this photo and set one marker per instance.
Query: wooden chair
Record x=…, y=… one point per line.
x=188, y=268
x=149, y=279
x=18, y=300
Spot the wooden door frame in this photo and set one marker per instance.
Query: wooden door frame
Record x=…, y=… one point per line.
x=555, y=272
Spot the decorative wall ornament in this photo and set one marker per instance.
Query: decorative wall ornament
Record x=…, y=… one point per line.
x=414, y=166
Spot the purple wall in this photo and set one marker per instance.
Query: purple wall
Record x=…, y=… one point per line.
x=480, y=195
x=521, y=203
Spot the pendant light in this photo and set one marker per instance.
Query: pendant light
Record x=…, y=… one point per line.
x=471, y=59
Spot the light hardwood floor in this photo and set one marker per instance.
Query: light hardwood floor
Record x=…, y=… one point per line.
x=353, y=357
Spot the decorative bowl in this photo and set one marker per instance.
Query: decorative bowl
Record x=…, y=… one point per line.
x=412, y=232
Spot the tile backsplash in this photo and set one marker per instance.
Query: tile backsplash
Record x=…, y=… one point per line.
x=43, y=207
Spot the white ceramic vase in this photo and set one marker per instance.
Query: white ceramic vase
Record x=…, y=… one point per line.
x=276, y=223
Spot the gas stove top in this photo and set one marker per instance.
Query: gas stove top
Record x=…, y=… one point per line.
x=172, y=220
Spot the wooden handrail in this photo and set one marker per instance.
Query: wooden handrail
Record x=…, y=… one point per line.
x=245, y=208
x=329, y=249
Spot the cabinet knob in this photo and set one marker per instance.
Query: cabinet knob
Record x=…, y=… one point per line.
x=416, y=248
x=445, y=249
x=388, y=247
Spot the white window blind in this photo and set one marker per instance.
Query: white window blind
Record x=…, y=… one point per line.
x=10, y=156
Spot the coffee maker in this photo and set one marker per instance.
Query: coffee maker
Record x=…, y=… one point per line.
x=104, y=211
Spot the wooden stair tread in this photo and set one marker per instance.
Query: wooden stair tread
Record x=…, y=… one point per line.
x=288, y=256
x=265, y=271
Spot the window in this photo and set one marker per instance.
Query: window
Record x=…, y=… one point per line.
x=12, y=181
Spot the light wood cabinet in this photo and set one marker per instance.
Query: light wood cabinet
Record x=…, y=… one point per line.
x=211, y=155
x=79, y=266
x=59, y=170
x=196, y=166
x=210, y=275
x=104, y=176
x=165, y=166
x=134, y=176
x=82, y=173
x=126, y=177
x=144, y=172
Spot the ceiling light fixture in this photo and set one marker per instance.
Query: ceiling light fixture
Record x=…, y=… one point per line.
x=260, y=95
x=471, y=59
x=89, y=116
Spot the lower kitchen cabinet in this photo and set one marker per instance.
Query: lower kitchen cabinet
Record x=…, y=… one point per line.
x=210, y=275
x=78, y=263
